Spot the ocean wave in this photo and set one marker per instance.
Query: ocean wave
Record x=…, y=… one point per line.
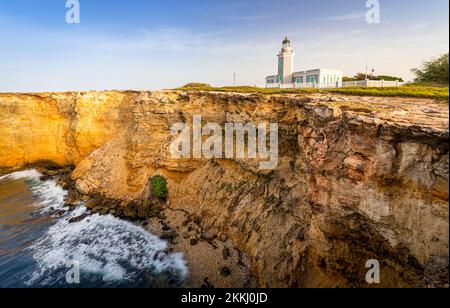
x=50, y=196
x=114, y=251
x=104, y=245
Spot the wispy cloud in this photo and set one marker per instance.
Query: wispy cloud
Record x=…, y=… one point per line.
x=418, y=28
x=350, y=17
x=356, y=16
x=173, y=40
x=248, y=17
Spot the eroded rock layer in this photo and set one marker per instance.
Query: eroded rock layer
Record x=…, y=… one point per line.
x=358, y=178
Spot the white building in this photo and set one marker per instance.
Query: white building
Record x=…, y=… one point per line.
x=287, y=78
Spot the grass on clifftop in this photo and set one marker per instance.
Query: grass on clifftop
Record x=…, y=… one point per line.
x=411, y=90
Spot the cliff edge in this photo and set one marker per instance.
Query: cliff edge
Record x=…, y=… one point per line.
x=358, y=178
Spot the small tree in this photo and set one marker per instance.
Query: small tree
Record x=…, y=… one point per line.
x=433, y=71
x=159, y=187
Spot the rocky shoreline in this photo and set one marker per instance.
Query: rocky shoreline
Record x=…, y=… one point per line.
x=213, y=259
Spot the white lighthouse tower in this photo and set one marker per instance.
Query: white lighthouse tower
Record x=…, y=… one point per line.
x=287, y=78
x=286, y=63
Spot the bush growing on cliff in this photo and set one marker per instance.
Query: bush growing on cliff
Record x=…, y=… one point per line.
x=159, y=187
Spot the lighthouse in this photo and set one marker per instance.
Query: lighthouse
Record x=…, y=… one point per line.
x=285, y=62
x=288, y=78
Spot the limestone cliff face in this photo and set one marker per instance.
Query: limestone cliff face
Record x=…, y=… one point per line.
x=358, y=178
x=62, y=127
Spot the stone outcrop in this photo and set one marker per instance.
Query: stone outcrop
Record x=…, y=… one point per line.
x=358, y=178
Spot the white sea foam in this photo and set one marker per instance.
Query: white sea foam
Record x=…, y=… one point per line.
x=106, y=246
x=50, y=196
x=27, y=174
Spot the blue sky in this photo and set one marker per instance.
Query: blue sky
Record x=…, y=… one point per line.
x=146, y=44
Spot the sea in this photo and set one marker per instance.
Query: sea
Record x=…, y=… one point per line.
x=43, y=245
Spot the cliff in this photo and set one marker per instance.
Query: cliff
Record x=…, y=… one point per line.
x=358, y=178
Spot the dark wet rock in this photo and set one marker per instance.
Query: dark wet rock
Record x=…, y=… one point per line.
x=72, y=200
x=78, y=218
x=154, y=211
x=85, y=198
x=45, y=166
x=187, y=221
x=197, y=220
x=130, y=212
x=166, y=228
x=206, y=284
x=93, y=203
x=436, y=273
x=58, y=213
x=225, y=271
x=172, y=281
x=66, y=171
x=104, y=211
x=45, y=178
x=169, y=235
x=226, y=253
x=207, y=236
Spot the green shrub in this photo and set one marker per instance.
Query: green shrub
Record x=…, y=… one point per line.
x=433, y=71
x=159, y=187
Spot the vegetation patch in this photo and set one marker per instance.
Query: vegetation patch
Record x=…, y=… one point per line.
x=196, y=85
x=433, y=71
x=411, y=90
x=159, y=187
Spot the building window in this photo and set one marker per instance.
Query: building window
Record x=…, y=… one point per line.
x=280, y=66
